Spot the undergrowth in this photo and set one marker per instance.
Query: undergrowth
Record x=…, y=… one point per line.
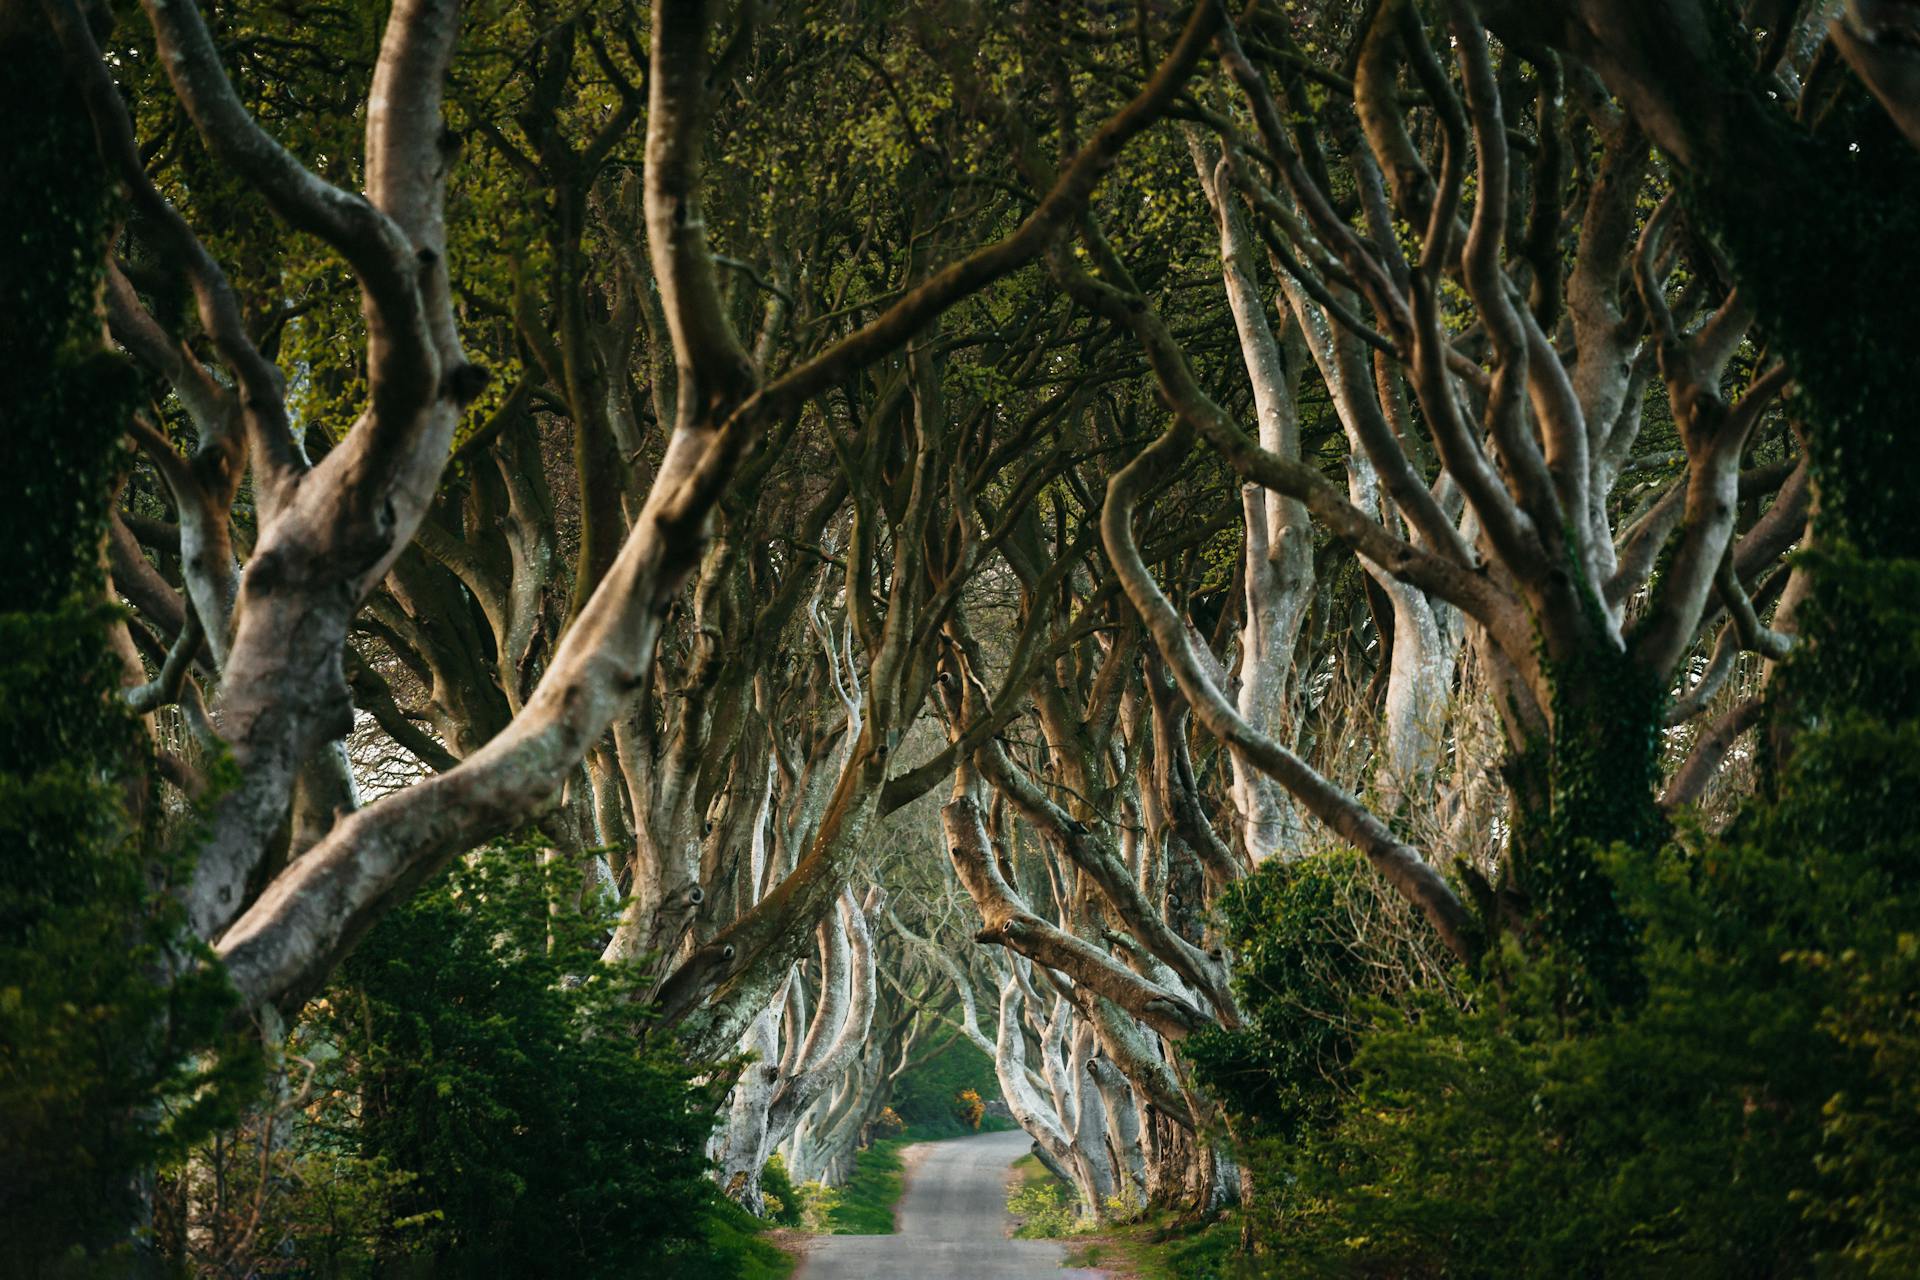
x=1160, y=1249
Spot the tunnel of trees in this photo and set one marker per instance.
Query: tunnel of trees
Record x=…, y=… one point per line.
x=1330, y=585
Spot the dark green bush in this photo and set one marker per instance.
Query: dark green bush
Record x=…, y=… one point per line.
x=108, y=1067
x=1757, y=1114
x=490, y=1056
x=783, y=1202
x=1313, y=939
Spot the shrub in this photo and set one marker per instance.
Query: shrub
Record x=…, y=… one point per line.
x=483, y=1050
x=777, y=1188
x=1314, y=939
x=1497, y=1140
x=1753, y=1117
x=734, y=1249
x=807, y=1206
x=1870, y=1131
x=1046, y=1210
x=251, y=1202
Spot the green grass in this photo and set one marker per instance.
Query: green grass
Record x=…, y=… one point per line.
x=1031, y=1170
x=1155, y=1249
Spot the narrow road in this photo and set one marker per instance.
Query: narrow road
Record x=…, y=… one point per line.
x=953, y=1224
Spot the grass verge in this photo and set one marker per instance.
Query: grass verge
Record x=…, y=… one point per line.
x=1157, y=1249
x=1031, y=1170
x=867, y=1199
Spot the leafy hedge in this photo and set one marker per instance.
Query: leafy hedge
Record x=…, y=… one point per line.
x=1757, y=1114
x=474, y=1041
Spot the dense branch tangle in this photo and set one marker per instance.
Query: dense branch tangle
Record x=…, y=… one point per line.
x=1117, y=466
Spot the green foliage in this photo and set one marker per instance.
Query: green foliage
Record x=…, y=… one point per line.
x=1871, y=1130
x=1754, y=1115
x=924, y=1095
x=1863, y=667
x=263, y=1192
x=1046, y=1208
x=1157, y=1249
x=1313, y=938
x=806, y=1205
x=782, y=1197
x=545, y=1133
x=1489, y=1141
x=107, y=1063
x=1049, y=1209
x=1591, y=786
x=735, y=1248
x=1211, y=1253
x=66, y=398
x=104, y=1062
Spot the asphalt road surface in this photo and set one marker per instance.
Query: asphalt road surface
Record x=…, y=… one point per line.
x=953, y=1224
